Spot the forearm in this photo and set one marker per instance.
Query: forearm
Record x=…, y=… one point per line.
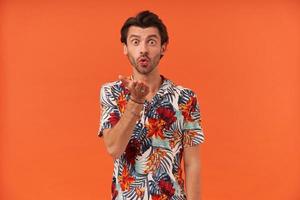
x=192, y=177
x=117, y=138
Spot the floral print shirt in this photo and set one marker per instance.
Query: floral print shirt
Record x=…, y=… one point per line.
x=150, y=167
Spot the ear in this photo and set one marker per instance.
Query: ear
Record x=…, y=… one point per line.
x=125, y=51
x=163, y=48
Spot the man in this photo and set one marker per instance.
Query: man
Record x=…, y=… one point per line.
x=148, y=123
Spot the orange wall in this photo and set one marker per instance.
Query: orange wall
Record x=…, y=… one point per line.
x=242, y=59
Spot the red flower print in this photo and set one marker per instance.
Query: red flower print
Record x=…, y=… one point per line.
x=114, y=118
x=167, y=115
x=132, y=151
x=125, y=179
x=126, y=91
x=155, y=160
x=114, y=192
x=188, y=138
x=155, y=127
x=159, y=197
x=175, y=139
x=187, y=108
x=166, y=188
x=122, y=102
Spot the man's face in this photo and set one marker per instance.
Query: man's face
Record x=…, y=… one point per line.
x=144, y=48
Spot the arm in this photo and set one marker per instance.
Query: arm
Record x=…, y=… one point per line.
x=117, y=137
x=192, y=172
x=193, y=137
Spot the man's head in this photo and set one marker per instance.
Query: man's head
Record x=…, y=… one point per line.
x=145, y=19
x=145, y=40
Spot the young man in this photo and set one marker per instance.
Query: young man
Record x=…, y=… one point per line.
x=148, y=123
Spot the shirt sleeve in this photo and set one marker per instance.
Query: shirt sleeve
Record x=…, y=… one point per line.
x=109, y=112
x=192, y=133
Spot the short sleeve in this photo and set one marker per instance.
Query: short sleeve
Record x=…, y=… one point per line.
x=192, y=129
x=109, y=112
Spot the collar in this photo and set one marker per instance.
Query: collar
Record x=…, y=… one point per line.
x=166, y=87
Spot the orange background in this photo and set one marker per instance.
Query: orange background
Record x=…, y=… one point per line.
x=241, y=58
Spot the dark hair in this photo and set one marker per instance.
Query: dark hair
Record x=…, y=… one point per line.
x=145, y=19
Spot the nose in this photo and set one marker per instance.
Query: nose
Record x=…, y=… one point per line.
x=143, y=48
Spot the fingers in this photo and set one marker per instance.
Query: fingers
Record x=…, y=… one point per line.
x=141, y=89
x=127, y=82
x=146, y=89
x=124, y=80
x=132, y=84
x=136, y=87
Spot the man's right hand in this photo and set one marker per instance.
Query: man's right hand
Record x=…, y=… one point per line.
x=138, y=89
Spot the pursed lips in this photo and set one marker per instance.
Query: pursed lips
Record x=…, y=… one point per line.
x=143, y=60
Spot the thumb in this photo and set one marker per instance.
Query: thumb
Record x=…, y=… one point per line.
x=124, y=80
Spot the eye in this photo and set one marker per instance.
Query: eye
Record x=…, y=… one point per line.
x=152, y=42
x=135, y=42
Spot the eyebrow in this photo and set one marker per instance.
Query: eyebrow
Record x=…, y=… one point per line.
x=134, y=36
x=153, y=35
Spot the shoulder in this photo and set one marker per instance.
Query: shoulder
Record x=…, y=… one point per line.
x=110, y=85
x=182, y=90
x=108, y=89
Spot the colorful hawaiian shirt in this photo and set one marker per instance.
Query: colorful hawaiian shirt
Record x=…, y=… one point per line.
x=150, y=167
